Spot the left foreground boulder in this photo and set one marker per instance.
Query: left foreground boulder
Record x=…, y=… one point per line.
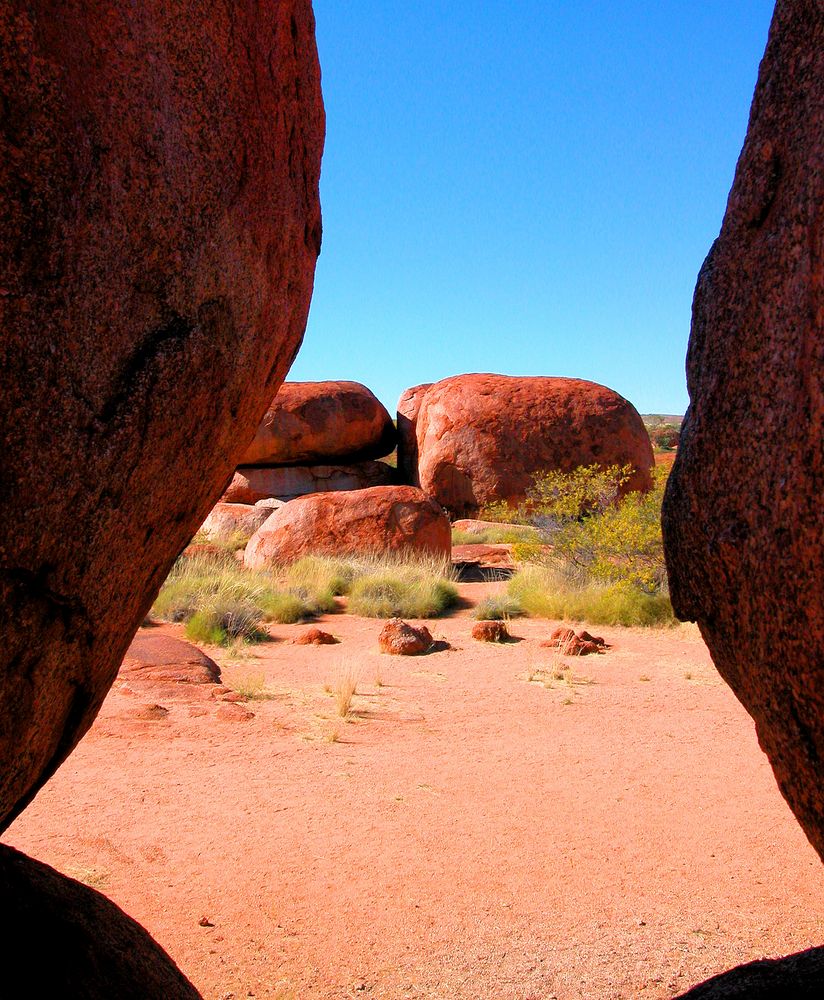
x=159, y=226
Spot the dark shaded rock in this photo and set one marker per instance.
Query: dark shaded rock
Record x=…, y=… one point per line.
x=481, y=438
x=68, y=941
x=407, y=420
x=159, y=225
x=250, y=484
x=799, y=976
x=743, y=513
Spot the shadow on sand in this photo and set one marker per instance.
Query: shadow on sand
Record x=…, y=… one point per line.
x=794, y=977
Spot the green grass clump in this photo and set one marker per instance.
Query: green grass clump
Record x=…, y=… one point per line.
x=546, y=592
x=402, y=589
x=219, y=601
x=283, y=608
x=317, y=580
x=499, y=608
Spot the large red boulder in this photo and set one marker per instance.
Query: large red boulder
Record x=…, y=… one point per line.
x=481, y=438
x=408, y=406
x=249, y=484
x=743, y=515
x=159, y=225
x=384, y=519
x=310, y=422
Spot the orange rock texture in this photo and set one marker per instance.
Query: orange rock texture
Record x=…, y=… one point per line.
x=314, y=422
x=743, y=515
x=159, y=226
x=481, y=438
x=383, y=519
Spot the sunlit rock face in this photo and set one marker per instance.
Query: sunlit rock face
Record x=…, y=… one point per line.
x=481, y=438
x=743, y=515
x=159, y=224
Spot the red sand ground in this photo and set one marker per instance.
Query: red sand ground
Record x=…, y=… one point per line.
x=470, y=834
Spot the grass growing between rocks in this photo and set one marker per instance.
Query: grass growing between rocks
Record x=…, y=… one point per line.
x=220, y=602
x=499, y=608
x=547, y=592
x=377, y=586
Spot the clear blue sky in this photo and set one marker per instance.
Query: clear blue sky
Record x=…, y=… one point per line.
x=524, y=187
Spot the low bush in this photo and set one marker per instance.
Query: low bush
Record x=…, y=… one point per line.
x=499, y=608
x=402, y=590
x=317, y=580
x=220, y=601
x=546, y=592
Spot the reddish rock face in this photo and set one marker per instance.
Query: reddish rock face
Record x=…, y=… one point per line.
x=383, y=519
x=492, y=631
x=408, y=406
x=226, y=520
x=482, y=437
x=315, y=637
x=159, y=224
x=399, y=638
x=160, y=659
x=311, y=422
x=743, y=516
x=249, y=484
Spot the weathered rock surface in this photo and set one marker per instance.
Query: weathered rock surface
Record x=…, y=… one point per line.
x=399, y=638
x=250, y=484
x=159, y=225
x=490, y=631
x=161, y=659
x=743, y=516
x=69, y=941
x=407, y=418
x=315, y=637
x=383, y=519
x=313, y=422
x=231, y=520
x=482, y=437
x=568, y=643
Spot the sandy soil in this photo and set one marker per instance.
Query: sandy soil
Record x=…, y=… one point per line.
x=468, y=833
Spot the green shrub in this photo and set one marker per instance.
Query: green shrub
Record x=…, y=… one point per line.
x=499, y=608
x=548, y=592
x=220, y=601
x=283, y=608
x=317, y=580
x=403, y=590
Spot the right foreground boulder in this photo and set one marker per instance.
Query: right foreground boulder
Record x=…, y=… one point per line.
x=380, y=520
x=743, y=514
x=482, y=438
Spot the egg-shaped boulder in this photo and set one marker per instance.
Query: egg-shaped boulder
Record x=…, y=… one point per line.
x=381, y=520
x=159, y=226
x=482, y=438
x=312, y=422
x=743, y=514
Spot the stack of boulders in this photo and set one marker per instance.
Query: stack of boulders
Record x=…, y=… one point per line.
x=316, y=437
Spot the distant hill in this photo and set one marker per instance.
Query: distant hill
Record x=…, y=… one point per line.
x=657, y=419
